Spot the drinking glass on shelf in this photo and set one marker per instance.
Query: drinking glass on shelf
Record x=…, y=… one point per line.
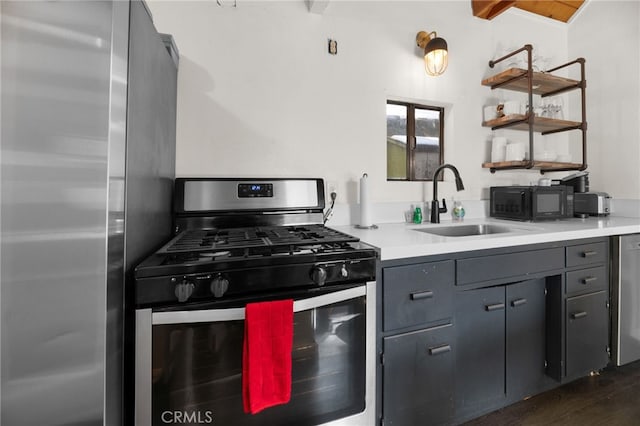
x=539, y=63
x=556, y=105
x=538, y=110
x=543, y=109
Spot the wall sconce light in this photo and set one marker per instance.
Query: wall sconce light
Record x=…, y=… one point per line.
x=435, y=52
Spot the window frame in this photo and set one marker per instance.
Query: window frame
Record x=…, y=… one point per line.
x=412, y=141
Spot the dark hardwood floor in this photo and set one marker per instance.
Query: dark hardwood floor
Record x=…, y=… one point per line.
x=611, y=398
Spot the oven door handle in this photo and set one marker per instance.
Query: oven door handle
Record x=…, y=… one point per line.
x=231, y=314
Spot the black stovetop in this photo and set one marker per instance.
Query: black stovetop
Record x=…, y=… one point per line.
x=220, y=248
x=251, y=260
x=265, y=237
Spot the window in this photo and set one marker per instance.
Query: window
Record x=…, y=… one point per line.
x=414, y=140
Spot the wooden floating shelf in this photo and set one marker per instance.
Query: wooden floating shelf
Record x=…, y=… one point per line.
x=546, y=165
x=540, y=124
x=543, y=83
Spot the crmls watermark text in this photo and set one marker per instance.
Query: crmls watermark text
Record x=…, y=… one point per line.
x=187, y=417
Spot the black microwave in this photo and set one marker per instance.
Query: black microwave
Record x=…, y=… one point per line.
x=531, y=203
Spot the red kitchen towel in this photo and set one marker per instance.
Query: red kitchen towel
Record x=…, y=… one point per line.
x=266, y=355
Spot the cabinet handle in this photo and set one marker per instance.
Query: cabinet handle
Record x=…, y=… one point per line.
x=578, y=315
x=494, y=307
x=518, y=302
x=587, y=280
x=421, y=295
x=589, y=253
x=440, y=350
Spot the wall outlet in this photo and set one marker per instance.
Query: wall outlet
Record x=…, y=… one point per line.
x=332, y=186
x=332, y=47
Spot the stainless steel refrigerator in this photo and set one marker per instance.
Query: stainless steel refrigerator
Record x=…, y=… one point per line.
x=87, y=161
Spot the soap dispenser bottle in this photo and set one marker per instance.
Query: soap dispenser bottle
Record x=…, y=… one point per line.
x=417, y=215
x=457, y=212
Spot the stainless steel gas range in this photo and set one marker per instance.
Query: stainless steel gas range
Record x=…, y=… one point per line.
x=240, y=241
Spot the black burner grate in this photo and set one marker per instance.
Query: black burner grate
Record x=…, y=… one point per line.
x=263, y=240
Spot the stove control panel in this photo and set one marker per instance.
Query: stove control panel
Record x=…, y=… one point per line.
x=223, y=285
x=331, y=272
x=184, y=288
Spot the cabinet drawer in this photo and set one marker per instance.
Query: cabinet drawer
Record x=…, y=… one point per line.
x=587, y=280
x=417, y=294
x=586, y=254
x=485, y=268
x=418, y=377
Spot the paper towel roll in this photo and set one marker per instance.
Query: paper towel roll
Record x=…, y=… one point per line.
x=365, y=204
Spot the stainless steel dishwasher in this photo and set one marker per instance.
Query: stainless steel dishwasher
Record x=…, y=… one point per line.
x=626, y=280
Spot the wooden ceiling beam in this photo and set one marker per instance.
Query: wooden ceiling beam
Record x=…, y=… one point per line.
x=489, y=9
x=561, y=10
x=558, y=10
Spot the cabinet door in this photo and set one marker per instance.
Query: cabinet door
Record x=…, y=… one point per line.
x=587, y=333
x=418, y=377
x=525, y=358
x=480, y=354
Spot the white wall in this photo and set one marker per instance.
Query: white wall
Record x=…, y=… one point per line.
x=259, y=95
x=612, y=54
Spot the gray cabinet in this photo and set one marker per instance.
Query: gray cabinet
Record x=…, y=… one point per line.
x=417, y=374
x=501, y=344
x=417, y=294
x=480, y=355
x=418, y=344
x=586, y=309
x=525, y=338
x=587, y=254
x=587, y=280
x=507, y=265
x=463, y=334
x=587, y=333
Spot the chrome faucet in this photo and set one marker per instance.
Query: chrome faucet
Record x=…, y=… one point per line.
x=435, y=207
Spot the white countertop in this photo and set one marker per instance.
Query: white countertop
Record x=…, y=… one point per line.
x=401, y=240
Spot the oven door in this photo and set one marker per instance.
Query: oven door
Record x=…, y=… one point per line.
x=189, y=363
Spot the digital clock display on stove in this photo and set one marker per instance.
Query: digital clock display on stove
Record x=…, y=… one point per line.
x=251, y=190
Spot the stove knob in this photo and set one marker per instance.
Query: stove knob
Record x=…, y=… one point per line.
x=319, y=275
x=219, y=285
x=344, y=273
x=184, y=290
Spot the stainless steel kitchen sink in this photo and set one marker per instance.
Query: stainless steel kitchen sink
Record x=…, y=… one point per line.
x=465, y=230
